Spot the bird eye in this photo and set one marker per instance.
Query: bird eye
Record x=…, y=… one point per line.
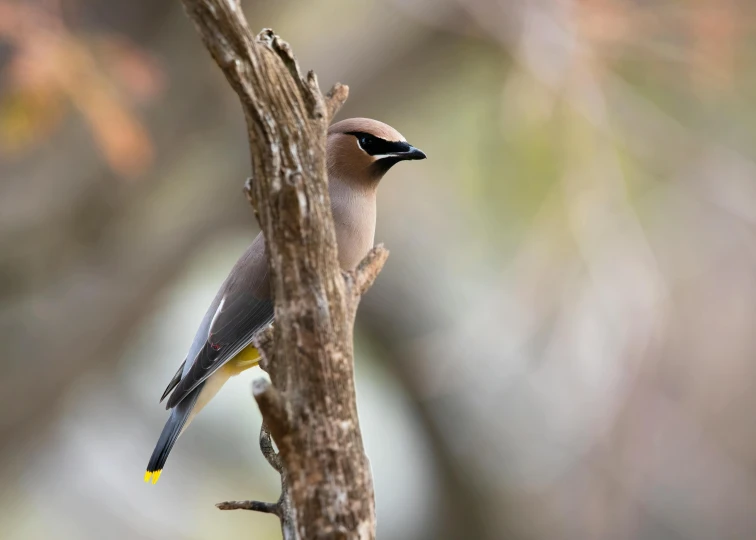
x=365, y=141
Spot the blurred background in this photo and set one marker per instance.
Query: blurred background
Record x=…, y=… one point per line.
x=561, y=345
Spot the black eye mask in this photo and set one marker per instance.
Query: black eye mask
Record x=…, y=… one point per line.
x=375, y=146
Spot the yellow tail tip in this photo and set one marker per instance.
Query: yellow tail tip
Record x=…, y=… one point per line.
x=154, y=476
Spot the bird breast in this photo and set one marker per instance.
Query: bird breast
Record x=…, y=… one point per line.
x=354, y=214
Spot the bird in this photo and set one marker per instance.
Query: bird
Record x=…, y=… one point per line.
x=359, y=152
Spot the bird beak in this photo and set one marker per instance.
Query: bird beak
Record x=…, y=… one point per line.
x=412, y=153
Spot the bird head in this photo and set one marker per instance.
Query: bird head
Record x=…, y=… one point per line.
x=366, y=149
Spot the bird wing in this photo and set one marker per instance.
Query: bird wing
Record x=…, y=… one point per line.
x=241, y=309
x=240, y=315
x=174, y=381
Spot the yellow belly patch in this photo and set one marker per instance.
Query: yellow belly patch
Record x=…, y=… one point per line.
x=247, y=358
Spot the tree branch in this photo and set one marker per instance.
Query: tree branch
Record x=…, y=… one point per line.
x=335, y=98
x=310, y=406
x=361, y=278
x=266, y=447
x=257, y=506
x=273, y=408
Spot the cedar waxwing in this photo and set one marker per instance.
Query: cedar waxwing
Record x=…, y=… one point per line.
x=359, y=152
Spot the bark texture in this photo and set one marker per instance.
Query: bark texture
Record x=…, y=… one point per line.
x=310, y=407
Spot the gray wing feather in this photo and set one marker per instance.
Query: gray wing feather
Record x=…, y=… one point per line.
x=174, y=381
x=240, y=310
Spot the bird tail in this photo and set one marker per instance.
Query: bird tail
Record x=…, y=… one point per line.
x=170, y=434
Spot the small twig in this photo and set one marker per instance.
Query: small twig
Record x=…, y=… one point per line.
x=335, y=98
x=273, y=408
x=257, y=506
x=266, y=446
x=361, y=278
x=282, y=507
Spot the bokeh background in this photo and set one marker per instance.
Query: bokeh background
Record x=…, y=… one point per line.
x=562, y=343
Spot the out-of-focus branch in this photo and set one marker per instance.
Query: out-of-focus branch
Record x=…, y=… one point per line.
x=310, y=406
